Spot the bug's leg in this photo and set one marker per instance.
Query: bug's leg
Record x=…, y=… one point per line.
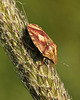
x=29, y=46
x=42, y=63
x=53, y=65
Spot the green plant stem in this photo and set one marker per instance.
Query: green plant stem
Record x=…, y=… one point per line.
x=43, y=83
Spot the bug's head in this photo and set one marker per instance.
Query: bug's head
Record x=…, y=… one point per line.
x=51, y=52
x=54, y=59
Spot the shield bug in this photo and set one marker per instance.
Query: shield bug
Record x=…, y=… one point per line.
x=43, y=42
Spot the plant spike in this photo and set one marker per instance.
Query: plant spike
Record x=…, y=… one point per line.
x=43, y=84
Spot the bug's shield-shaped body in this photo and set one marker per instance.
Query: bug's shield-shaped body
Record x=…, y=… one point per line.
x=43, y=42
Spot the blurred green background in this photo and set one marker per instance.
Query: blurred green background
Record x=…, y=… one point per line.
x=61, y=20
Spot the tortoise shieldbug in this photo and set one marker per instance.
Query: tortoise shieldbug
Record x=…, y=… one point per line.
x=43, y=42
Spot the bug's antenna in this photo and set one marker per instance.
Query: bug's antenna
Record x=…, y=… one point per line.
x=23, y=11
x=64, y=64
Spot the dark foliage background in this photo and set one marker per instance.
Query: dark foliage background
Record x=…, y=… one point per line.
x=61, y=20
